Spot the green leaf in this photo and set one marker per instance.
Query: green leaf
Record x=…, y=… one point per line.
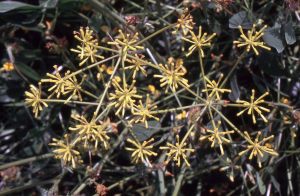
x=29, y=151
x=35, y=133
x=268, y=7
x=270, y=63
x=273, y=38
x=256, y=79
x=276, y=184
x=242, y=18
x=261, y=185
x=289, y=34
x=17, y=19
x=224, y=157
x=142, y=133
x=259, y=84
x=48, y=3
x=270, y=170
x=28, y=71
x=95, y=22
x=32, y=18
x=6, y=6
x=235, y=94
x=216, y=26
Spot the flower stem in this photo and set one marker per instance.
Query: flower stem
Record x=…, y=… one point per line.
x=176, y=109
x=186, y=135
x=90, y=66
x=88, y=93
x=233, y=68
x=63, y=101
x=202, y=70
x=39, y=157
x=107, y=86
x=236, y=129
x=211, y=116
x=154, y=34
x=192, y=92
x=229, y=104
x=147, y=63
x=107, y=49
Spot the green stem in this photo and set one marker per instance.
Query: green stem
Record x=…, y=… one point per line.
x=107, y=86
x=170, y=12
x=186, y=135
x=226, y=10
x=27, y=186
x=145, y=8
x=154, y=34
x=181, y=90
x=130, y=74
x=102, y=162
x=146, y=62
x=107, y=49
x=229, y=104
x=280, y=104
x=63, y=101
x=211, y=116
x=130, y=130
x=167, y=47
x=233, y=68
x=202, y=70
x=180, y=177
x=122, y=181
x=90, y=66
x=20, y=162
x=186, y=88
x=236, y=129
x=123, y=74
x=176, y=109
x=88, y=93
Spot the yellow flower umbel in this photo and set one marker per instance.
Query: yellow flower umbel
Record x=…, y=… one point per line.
x=198, y=42
x=86, y=129
x=66, y=152
x=60, y=82
x=123, y=97
x=88, y=51
x=141, y=151
x=214, y=87
x=143, y=112
x=85, y=39
x=101, y=135
x=34, y=99
x=253, y=106
x=176, y=152
x=172, y=77
x=185, y=22
x=72, y=85
x=136, y=66
x=257, y=148
x=8, y=66
x=251, y=40
x=217, y=135
x=127, y=44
